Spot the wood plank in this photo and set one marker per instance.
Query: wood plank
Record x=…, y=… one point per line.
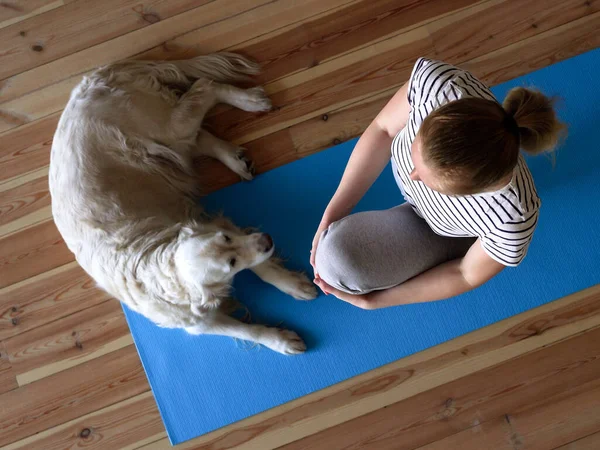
x=71, y=338
x=8, y=380
x=26, y=148
x=13, y=11
x=75, y=26
x=67, y=395
x=591, y=442
x=436, y=414
x=212, y=27
x=117, y=426
x=552, y=46
x=326, y=42
x=357, y=75
x=339, y=84
x=339, y=125
x=410, y=376
x=547, y=424
x=31, y=252
x=500, y=23
x=22, y=200
x=330, y=35
x=46, y=298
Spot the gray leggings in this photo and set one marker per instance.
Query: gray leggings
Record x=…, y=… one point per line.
x=377, y=250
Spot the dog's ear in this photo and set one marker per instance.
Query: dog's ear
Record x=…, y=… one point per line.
x=225, y=224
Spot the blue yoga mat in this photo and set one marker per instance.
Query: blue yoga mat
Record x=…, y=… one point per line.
x=202, y=383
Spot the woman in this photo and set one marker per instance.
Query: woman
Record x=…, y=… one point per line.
x=471, y=205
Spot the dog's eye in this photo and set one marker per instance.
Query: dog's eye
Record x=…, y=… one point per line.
x=232, y=262
x=227, y=238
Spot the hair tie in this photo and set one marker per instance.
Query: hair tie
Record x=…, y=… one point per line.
x=511, y=124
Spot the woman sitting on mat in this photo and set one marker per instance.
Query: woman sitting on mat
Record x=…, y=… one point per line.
x=471, y=204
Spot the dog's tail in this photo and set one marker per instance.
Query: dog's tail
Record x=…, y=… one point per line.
x=221, y=67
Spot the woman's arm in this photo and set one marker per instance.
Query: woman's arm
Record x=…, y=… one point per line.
x=446, y=280
x=368, y=159
x=370, y=156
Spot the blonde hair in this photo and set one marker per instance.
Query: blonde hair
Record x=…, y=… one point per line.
x=474, y=143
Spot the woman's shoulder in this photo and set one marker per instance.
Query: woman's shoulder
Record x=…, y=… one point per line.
x=515, y=205
x=437, y=82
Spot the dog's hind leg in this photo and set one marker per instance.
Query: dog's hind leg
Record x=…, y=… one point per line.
x=279, y=340
x=253, y=100
x=204, y=94
x=229, y=154
x=295, y=284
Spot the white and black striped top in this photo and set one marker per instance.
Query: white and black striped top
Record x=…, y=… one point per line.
x=504, y=220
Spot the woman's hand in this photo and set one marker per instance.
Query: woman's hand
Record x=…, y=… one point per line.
x=322, y=227
x=363, y=301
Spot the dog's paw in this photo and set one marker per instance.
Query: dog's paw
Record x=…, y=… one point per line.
x=243, y=166
x=257, y=100
x=285, y=342
x=300, y=287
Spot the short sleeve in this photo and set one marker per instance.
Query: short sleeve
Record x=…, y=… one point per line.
x=508, y=243
x=428, y=81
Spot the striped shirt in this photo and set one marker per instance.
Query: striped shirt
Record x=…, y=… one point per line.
x=505, y=219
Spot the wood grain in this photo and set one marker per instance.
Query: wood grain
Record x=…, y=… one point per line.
x=69, y=394
x=13, y=11
x=540, y=426
x=338, y=86
x=26, y=148
x=116, y=426
x=49, y=36
x=520, y=58
x=334, y=34
x=199, y=31
x=439, y=413
x=501, y=23
x=72, y=337
x=591, y=442
x=31, y=252
x=8, y=380
x=47, y=298
x=22, y=200
x=381, y=70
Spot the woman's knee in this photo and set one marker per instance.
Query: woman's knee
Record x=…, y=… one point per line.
x=337, y=261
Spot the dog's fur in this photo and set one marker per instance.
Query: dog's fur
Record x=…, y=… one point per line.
x=123, y=188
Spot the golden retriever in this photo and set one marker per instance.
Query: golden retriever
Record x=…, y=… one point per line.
x=124, y=194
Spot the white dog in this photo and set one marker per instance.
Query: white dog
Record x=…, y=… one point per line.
x=123, y=184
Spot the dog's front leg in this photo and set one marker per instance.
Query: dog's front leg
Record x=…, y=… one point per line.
x=283, y=341
x=295, y=284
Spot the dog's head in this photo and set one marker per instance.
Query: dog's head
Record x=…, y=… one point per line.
x=212, y=259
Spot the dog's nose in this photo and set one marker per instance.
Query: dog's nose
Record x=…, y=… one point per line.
x=265, y=242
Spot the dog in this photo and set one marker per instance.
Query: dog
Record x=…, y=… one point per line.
x=124, y=188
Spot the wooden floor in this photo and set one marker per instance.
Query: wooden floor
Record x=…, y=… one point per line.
x=69, y=374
